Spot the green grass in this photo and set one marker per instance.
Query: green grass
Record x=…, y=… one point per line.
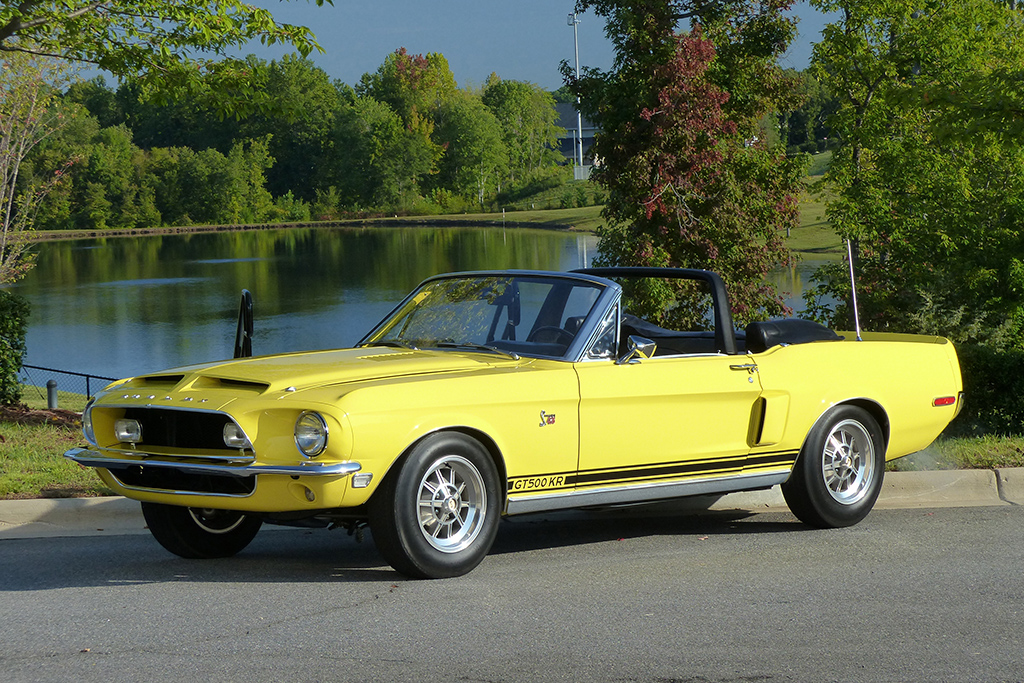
x=965, y=453
x=35, y=398
x=585, y=218
x=32, y=463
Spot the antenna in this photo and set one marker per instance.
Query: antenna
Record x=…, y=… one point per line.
x=853, y=288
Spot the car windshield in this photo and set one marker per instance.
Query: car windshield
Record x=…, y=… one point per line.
x=530, y=315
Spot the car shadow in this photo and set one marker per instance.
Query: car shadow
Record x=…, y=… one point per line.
x=290, y=555
x=591, y=526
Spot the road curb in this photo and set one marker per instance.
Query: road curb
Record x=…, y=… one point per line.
x=59, y=517
x=55, y=517
x=1011, y=485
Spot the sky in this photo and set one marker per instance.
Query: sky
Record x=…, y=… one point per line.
x=522, y=40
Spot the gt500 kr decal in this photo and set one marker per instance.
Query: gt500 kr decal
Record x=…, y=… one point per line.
x=548, y=482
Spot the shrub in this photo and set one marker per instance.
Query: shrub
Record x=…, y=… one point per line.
x=994, y=392
x=13, y=321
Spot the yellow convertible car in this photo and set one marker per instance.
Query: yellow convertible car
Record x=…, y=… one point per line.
x=501, y=393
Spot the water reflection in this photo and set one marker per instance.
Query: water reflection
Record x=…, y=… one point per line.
x=126, y=306
x=792, y=281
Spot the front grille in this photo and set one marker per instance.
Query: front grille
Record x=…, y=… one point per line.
x=164, y=479
x=180, y=428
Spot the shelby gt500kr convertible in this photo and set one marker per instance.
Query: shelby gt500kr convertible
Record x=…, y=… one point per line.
x=500, y=393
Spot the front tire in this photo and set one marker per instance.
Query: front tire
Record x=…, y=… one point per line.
x=437, y=514
x=838, y=475
x=200, y=533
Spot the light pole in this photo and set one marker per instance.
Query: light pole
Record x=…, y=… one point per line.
x=578, y=152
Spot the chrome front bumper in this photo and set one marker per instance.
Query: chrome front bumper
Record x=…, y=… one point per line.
x=88, y=458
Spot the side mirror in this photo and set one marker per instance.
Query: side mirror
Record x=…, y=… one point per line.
x=638, y=347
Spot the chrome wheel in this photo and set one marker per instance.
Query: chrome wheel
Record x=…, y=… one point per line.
x=838, y=475
x=437, y=514
x=452, y=504
x=847, y=462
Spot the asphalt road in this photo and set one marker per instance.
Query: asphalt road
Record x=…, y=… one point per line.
x=907, y=595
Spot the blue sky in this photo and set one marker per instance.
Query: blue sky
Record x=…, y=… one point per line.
x=517, y=39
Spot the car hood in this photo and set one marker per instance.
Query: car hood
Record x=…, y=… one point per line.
x=297, y=371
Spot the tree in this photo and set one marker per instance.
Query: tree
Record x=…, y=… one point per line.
x=163, y=44
x=414, y=87
x=28, y=114
x=691, y=181
x=804, y=129
x=248, y=200
x=929, y=192
x=474, y=153
x=527, y=116
x=299, y=120
x=378, y=161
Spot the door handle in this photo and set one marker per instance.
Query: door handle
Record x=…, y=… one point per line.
x=749, y=367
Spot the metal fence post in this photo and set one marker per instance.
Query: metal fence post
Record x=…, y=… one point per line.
x=51, y=394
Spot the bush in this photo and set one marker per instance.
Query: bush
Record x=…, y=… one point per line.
x=994, y=392
x=13, y=322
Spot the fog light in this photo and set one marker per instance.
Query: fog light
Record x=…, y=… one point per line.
x=310, y=434
x=128, y=431
x=234, y=437
x=361, y=480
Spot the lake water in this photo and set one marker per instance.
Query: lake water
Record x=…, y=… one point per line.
x=124, y=306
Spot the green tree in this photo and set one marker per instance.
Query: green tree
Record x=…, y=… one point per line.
x=804, y=129
x=691, y=181
x=171, y=47
x=527, y=116
x=474, y=152
x=378, y=161
x=300, y=119
x=414, y=86
x=932, y=201
x=28, y=115
x=248, y=200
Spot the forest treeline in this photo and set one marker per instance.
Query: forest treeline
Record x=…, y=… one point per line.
x=405, y=140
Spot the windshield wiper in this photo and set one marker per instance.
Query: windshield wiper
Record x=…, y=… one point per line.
x=477, y=347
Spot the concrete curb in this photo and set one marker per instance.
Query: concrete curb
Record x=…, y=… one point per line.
x=115, y=516
x=941, y=488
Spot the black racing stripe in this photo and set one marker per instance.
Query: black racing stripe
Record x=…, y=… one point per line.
x=768, y=459
x=660, y=471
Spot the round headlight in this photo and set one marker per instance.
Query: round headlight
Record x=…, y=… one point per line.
x=311, y=434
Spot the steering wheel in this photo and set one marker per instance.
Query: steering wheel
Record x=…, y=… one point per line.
x=551, y=334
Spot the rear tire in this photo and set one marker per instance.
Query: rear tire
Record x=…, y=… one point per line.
x=838, y=476
x=200, y=533
x=436, y=515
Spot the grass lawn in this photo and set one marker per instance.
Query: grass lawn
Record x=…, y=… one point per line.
x=965, y=453
x=32, y=463
x=585, y=218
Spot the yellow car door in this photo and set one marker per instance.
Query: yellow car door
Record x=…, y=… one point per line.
x=665, y=419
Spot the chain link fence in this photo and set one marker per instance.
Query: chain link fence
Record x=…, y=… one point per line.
x=69, y=390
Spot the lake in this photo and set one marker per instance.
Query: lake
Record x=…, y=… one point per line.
x=124, y=306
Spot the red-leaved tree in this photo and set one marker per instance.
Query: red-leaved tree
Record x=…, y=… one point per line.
x=692, y=180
